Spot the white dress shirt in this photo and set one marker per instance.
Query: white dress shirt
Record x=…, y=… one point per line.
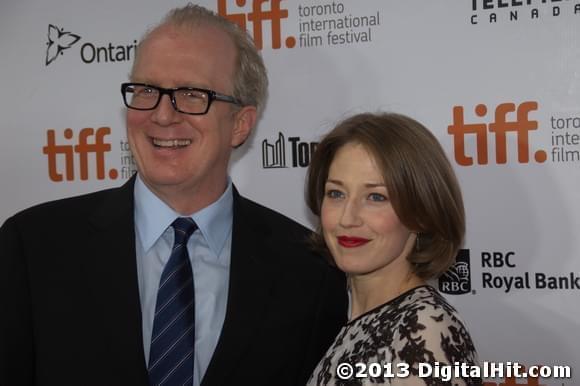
x=209, y=250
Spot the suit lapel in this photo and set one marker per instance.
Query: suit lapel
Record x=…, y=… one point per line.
x=252, y=274
x=111, y=273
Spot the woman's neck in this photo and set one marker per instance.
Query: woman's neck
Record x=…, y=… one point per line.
x=370, y=291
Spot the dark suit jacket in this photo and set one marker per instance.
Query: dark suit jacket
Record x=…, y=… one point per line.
x=69, y=298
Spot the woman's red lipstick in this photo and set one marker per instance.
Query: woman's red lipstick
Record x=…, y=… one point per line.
x=351, y=242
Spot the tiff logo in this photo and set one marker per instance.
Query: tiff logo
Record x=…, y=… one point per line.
x=83, y=148
x=274, y=156
x=257, y=17
x=500, y=127
x=457, y=279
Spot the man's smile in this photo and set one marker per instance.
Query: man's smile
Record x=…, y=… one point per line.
x=170, y=143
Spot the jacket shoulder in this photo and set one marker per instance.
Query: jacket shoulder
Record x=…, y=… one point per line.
x=66, y=208
x=277, y=224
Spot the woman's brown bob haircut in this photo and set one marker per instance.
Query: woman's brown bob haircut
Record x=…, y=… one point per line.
x=422, y=186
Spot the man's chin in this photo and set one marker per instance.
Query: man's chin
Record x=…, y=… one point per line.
x=163, y=181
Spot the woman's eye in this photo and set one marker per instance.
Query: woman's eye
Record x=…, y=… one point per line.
x=377, y=197
x=334, y=194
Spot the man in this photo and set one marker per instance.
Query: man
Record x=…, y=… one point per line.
x=82, y=280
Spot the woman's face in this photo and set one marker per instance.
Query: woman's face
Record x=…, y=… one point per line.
x=359, y=224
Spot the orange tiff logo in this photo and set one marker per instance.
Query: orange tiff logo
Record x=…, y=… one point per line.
x=257, y=17
x=82, y=148
x=500, y=127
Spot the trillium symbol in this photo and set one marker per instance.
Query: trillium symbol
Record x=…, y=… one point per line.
x=58, y=41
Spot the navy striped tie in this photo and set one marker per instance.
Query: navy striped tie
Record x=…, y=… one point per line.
x=173, y=336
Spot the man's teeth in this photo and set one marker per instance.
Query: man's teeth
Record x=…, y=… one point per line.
x=171, y=142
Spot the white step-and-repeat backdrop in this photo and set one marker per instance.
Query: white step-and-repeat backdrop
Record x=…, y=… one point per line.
x=497, y=81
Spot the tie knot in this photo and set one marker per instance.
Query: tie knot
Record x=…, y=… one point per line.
x=184, y=228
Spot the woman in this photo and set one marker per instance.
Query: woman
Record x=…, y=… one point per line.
x=391, y=217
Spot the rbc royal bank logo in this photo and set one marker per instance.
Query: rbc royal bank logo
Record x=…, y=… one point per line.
x=519, y=125
x=457, y=279
x=274, y=15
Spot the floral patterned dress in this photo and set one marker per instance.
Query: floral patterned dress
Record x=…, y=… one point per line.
x=399, y=343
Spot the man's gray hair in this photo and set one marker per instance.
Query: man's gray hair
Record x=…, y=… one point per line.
x=250, y=77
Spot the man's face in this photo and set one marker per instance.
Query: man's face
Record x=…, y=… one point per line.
x=177, y=154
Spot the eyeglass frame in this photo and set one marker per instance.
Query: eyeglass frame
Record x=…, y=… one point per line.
x=211, y=94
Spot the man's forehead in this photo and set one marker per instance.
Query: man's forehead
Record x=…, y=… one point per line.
x=204, y=37
x=204, y=49
x=183, y=31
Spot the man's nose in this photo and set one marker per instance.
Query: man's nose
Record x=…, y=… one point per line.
x=165, y=113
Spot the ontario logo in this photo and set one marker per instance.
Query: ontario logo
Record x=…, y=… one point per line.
x=509, y=120
x=457, y=279
x=59, y=40
x=274, y=153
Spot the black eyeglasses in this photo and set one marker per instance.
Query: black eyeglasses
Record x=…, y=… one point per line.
x=188, y=100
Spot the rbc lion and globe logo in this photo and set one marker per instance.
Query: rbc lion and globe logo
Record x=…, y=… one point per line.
x=457, y=279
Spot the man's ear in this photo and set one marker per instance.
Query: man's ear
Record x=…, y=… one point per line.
x=245, y=119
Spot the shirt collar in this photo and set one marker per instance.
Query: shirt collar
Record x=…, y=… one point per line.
x=153, y=217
